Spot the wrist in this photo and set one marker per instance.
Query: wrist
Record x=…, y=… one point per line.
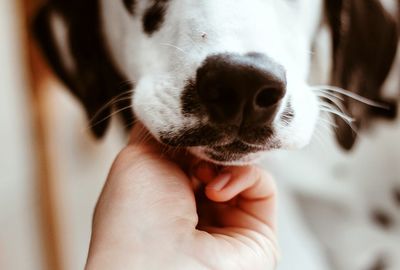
x=143, y=262
x=151, y=259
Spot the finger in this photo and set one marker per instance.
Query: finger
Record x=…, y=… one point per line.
x=260, y=199
x=254, y=188
x=205, y=172
x=231, y=182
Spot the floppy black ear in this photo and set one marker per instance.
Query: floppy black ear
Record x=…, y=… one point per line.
x=90, y=73
x=365, y=41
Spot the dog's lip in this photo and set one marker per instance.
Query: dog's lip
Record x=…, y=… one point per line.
x=235, y=153
x=230, y=158
x=238, y=147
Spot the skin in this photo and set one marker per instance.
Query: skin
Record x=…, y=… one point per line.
x=160, y=211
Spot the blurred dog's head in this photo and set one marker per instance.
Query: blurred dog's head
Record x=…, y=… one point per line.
x=225, y=79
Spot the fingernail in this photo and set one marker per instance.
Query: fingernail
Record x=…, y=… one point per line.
x=221, y=181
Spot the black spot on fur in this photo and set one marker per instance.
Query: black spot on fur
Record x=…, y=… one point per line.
x=96, y=80
x=380, y=264
x=365, y=40
x=382, y=219
x=130, y=5
x=154, y=16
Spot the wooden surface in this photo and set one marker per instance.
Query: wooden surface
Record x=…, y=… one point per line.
x=38, y=74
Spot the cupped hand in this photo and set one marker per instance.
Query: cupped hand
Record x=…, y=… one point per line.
x=162, y=209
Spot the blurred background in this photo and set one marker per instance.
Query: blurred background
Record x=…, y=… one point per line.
x=51, y=169
x=339, y=210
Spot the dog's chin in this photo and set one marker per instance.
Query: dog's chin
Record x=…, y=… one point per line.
x=234, y=153
x=226, y=157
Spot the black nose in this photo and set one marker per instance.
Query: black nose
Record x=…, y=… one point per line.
x=241, y=90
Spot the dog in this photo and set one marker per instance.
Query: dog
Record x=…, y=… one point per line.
x=227, y=81
x=231, y=80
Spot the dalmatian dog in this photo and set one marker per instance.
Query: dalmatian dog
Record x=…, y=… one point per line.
x=230, y=81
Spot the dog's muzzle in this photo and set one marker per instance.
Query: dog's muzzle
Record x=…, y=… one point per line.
x=239, y=96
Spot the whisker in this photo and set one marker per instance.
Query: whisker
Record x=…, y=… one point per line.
x=330, y=108
x=351, y=95
x=345, y=117
x=131, y=124
x=116, y=99
x=335, y=102
x=175, y=47
x=127, y=83
x=326, y=121
x=111, y=115
x=146, y=136
x=329, y=93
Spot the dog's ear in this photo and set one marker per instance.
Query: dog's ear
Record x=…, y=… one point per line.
x=70, y=36
x=365, y=39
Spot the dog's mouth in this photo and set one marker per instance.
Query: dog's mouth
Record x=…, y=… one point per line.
x=224, y=146
x=234, y=153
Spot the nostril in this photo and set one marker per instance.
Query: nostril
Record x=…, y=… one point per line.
x=268, y=96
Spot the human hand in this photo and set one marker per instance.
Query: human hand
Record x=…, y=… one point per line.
x=152, y=215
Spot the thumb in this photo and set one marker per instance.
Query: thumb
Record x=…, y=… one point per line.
x=146, y=166
x=146, y=184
